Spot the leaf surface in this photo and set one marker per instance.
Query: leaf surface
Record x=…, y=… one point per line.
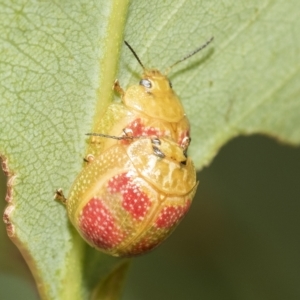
x=58, y=62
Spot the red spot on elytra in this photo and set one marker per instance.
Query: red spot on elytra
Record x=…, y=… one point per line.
x=144, y=246
x=119, y=183
x=171, y=215
x=99, y=226
x=135, y=201
x=139, y=129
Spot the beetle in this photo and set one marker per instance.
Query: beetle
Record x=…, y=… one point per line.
x=138, y=182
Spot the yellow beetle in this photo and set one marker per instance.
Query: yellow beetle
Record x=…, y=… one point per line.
x=138, y=182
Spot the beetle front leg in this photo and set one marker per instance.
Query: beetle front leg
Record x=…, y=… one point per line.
x=118, y=88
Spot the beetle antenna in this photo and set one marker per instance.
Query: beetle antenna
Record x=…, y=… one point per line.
x=111, y=136
x=123, y=137
x=135, y=55
x=191, y=54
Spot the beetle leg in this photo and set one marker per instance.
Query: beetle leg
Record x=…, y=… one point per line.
x=59, y=196
x=118, y=88
x=89, y=158
x=128, y=133
x=155, y=146
x=185, y=143
x=158, y=152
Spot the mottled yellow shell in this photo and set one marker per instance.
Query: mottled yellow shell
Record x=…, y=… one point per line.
x=128, y=200
x=165, y=174
x=159, y=101
x=138, y=182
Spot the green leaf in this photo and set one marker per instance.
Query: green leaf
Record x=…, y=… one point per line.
x=57, y=59
x=58, y=62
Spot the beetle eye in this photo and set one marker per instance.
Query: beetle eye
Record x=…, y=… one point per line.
x=170, y=84
x=146, y=83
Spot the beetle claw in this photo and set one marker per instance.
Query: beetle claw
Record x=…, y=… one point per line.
x=59, y=196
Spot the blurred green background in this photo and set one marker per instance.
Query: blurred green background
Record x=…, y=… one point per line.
x=240, y=239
